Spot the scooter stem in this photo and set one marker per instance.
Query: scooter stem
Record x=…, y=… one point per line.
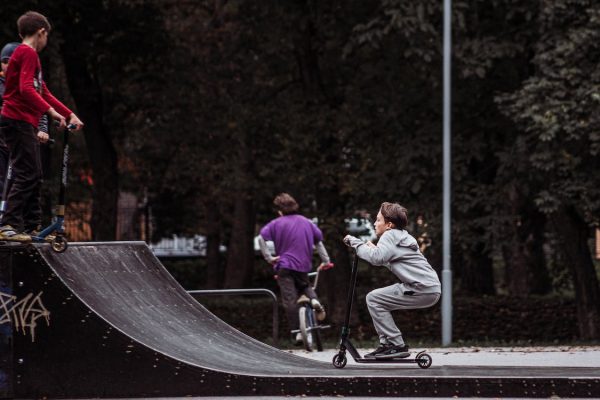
x=64, y=173
x=7, y=182
x=353, y=275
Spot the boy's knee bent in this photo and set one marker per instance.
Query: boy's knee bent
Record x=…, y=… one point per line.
x=372, y=299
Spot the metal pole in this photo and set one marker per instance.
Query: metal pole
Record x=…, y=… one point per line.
x=235, y=292
x=447, y=271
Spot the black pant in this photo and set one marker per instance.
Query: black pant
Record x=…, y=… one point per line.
x=23, y=209
x=292, y=284
x=3, y=163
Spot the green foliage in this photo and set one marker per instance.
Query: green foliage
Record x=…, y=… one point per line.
x=557, y=109
x=340, y=104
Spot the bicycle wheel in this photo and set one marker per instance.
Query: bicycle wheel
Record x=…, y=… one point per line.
x=316, y=333
x=305, y=327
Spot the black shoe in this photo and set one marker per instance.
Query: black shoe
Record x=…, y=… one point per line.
x=382, y=348
x=394, y=351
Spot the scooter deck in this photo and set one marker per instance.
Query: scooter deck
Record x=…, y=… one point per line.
x=41, y=239
x=422, y=359
x=386, y=360
x=401, y=358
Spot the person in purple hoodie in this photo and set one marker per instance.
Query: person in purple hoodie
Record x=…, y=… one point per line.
x=295, y=238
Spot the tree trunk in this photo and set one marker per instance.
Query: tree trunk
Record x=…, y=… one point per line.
x=335, y=282
x=525, y=271
x=214, y=277
x=525, y=264
x=574, y=234
x=103, y=158
x=307, y=56
x=240, y=254
x=474, y=268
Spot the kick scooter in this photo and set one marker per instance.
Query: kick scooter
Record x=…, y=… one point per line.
x=59, y=242
x=422, y=359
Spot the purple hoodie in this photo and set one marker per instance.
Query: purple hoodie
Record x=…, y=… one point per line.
x=294, y=237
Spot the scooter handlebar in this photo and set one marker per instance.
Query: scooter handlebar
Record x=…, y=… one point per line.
x=69, y=126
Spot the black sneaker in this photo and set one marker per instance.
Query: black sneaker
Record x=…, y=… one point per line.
x=394, y=351
x=382, y=348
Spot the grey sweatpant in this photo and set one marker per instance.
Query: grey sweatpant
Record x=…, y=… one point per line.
x=395, y=297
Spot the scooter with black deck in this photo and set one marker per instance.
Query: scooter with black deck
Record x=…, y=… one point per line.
x=422, y=359
x=56, y=228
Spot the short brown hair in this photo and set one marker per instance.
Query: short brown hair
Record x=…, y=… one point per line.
x=394, y=213
x=286, y=204
x=31, y=22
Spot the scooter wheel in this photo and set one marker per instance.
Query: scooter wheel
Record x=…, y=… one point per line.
x=59, y=244
x=424, y=360
x=339, y=361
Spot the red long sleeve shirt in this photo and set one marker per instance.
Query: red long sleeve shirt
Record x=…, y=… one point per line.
x=26, y=96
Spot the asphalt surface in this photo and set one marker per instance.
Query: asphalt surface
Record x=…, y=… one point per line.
x=550, y=357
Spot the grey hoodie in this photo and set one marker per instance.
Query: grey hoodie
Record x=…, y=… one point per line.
x=399, y=252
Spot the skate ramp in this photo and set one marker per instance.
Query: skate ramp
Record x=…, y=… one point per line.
x=119, y=325
x=127, y=286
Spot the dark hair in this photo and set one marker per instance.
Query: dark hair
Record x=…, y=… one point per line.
x=394, y=213
x=286, y=204
x=31, y=22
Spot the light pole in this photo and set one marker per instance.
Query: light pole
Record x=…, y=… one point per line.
x=447, y=271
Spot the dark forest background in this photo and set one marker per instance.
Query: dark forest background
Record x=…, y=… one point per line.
x=209, y=108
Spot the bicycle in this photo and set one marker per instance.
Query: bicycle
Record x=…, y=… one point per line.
x=310, y=328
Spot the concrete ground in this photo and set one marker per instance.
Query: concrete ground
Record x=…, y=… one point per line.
x=559, y=356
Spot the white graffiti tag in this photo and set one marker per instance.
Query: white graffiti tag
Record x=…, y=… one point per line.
x=23, y=313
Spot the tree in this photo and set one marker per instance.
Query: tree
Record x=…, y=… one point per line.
x=556, y=109
x=95, y=55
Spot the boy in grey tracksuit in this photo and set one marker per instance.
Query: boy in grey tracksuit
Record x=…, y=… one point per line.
x=419, y=285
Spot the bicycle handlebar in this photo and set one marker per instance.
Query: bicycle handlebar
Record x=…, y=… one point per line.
x=324, y=267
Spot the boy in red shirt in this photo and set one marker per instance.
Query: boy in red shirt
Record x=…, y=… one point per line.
x=42, y=135
x=26, y=98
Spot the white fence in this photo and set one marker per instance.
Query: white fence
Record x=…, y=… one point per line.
x=195, y=246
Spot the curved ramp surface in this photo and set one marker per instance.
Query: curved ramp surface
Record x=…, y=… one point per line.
x=120, y=325
x=129, y=288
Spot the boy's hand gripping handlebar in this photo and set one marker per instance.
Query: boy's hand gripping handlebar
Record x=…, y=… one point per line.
x=69, y=126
